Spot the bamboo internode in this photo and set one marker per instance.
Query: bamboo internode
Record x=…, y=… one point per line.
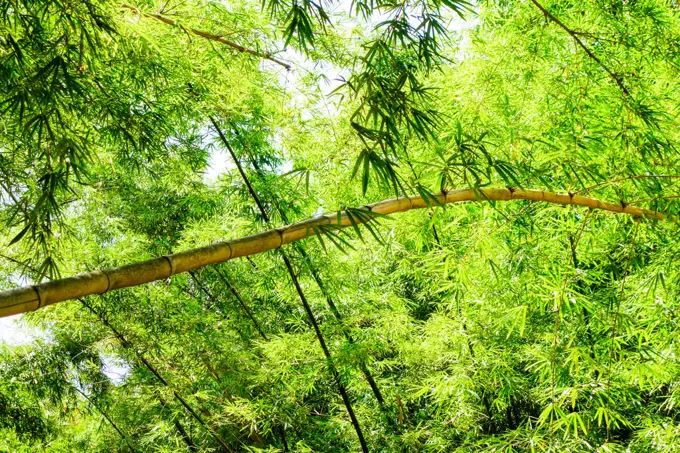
x=29, y=298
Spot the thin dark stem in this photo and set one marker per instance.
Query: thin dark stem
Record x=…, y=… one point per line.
x=283, y=439
x=303, y=299
x=108, y=419
x=465, y=328
x=202, y=34
x=242, y=302
x=179, y=427
x=644, y=200
x=125, y=343
x=307, y=259
x=11, y=195
x=214, y=302
x=252, y=192
x=558, y=311
x=435, y=234
x=20, y=263
x=627, y=178
x=334, y=309
x=158, y=376
x=212, y=299
x=245, y=307
x=573, y=243
x=594, y=57
x=185, y=436
x=322, y=342
x=617, y=314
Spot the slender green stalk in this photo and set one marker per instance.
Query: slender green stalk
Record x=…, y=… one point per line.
x=313, y=270
x=108, y=419
x=124, y=341
x=303, y=299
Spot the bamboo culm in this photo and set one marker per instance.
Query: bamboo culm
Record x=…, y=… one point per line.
x=308, y=261
x=124, y=341
x=310, y=315
x=107, y=418
x=29, y=298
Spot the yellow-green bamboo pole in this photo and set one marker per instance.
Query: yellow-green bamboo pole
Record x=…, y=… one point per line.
x=31, y=298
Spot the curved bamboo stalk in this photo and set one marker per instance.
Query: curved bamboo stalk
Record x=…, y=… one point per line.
x=29, y=298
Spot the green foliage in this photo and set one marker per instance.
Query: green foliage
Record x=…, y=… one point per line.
x=490, y=327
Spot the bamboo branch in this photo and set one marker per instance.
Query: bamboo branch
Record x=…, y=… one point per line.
x=627, y=178
x=214, y=304
x=327, y=354
x=574, y=35
x=242, y=302
x=202, y=34
x=29, y=298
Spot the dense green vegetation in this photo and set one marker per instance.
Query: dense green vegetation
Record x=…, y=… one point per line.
x=479, y=327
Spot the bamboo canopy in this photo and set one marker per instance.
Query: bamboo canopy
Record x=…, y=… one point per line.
x=29, y=298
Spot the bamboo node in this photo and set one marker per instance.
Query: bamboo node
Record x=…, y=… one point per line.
x=280, y=231
x=172, y=265
x=38, y=292
x=108, y=281
x=231, y=252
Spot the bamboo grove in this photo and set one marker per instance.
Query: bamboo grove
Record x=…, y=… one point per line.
x=194, y=258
